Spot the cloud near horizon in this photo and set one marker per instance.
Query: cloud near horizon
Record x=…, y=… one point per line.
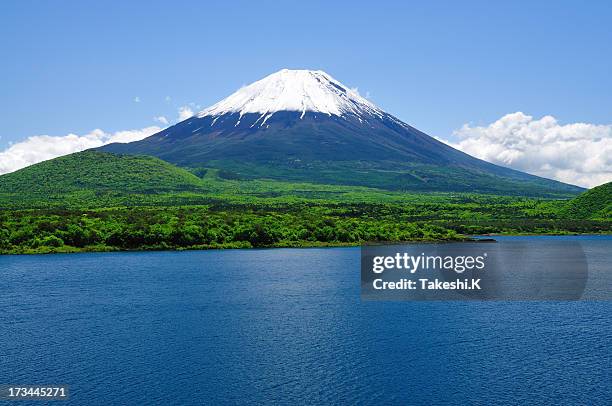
x=161, y=119
x=185, y=112
x=40, y=148
x=577, y=153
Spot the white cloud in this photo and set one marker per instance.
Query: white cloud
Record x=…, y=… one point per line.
x=161, y=119
x=356, y=91
x=185, y=112
x=578, y=153
x=136, y=99
x=43, y=147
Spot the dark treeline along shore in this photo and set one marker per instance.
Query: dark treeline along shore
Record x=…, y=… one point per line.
x=120, y=202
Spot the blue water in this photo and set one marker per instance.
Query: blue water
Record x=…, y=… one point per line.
x=285, y=326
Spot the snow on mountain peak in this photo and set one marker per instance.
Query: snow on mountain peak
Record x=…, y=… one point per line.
x=294, y=90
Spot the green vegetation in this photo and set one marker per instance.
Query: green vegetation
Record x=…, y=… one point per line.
x=127, y=202
x=592, y=204
x=200, y=227
x=396, y=176
x=232, y=225
x=93, y=179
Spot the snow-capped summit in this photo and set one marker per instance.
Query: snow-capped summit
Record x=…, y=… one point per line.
x=297, y=91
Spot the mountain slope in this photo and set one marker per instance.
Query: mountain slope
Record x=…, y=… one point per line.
x=306, y=126
x=595, y=203
x=89, y=176
x=100, y=171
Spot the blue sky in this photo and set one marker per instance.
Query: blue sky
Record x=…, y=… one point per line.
x=76, y=66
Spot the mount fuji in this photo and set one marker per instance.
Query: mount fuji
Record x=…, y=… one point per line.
x=303, y=125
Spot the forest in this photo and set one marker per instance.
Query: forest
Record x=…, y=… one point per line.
x=263, y=225
x=143, y=203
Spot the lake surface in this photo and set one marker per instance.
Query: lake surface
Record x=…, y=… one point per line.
x=287, y=326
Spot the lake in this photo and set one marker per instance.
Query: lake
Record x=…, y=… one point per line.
x=287, y=326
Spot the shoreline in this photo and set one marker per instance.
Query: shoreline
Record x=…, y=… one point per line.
x=482, y=238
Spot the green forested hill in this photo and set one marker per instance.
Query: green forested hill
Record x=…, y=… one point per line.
x=93, y=178
x=99, y=171
x=595, y=203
